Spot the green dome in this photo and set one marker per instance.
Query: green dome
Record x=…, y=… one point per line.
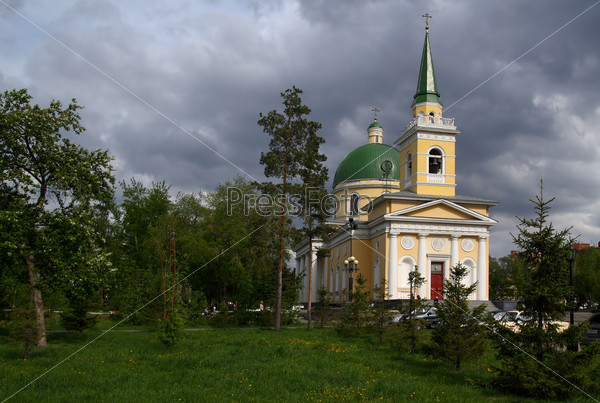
x=367, y=162
x=375, y=124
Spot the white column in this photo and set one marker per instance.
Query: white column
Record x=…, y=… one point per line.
x=331, y=282
x=304, y=280
x=453, y=256
x=422, y=264
x=315, y=280
x=377, y=274
x=482, y=279
x=393, y=266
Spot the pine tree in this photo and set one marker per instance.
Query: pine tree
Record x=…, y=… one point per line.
x=293, y=138
x=313, y=175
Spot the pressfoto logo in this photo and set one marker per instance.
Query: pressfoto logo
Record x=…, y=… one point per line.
x=296, y=205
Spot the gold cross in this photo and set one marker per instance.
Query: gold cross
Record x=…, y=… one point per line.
x=375, y=110
x=427, y=16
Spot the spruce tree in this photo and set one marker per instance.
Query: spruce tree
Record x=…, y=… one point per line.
x=415, y=281
x=534, y=360
x=458, y=337
x=323, y=306
x=380, y=315
x=544, y=251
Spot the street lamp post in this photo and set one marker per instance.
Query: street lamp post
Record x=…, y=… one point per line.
x=571, y=259
x=350, y=265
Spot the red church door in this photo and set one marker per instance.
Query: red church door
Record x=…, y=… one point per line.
x=437, y=280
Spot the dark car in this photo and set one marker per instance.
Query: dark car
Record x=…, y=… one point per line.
x=593, y=333
x=430, y=315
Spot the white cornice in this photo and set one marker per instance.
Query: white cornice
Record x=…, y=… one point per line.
x=402, y=213
x=302, y=247
x=411, y=136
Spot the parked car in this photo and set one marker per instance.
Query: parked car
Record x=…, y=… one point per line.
x=511, y=320
x=593, y=333
x=397, y=317
x=497, y=315
x=428, y=313
x=515, y=316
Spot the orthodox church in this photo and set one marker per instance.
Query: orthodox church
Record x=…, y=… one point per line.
x=398, y=210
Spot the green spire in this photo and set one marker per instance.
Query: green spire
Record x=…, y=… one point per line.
x=426, y=86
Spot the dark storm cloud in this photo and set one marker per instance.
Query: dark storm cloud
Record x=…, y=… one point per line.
x=210, y=68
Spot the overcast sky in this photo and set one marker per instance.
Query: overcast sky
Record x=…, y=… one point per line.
x=174, y=89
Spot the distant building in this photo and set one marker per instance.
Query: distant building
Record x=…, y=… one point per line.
x=398, y=209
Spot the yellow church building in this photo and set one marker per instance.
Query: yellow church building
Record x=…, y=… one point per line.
x=398, y=209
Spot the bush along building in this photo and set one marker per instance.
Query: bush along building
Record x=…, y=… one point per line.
x=398, y=209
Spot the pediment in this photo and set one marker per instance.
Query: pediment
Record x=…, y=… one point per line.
x=439, y=210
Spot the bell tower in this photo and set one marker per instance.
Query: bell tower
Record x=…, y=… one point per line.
x=427, y=143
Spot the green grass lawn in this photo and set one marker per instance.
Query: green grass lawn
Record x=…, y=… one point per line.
x=234, y=365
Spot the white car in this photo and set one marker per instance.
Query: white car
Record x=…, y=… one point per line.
x=511, y=318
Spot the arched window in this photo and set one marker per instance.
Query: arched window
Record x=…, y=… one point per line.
x=354, y=204
x=408, y=165
x=435, y=161
x=376, y=273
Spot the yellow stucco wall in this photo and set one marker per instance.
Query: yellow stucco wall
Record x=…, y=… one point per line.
x=483, y=210
x=368, y=190
x=440, y=211
x=426, y=108
x=380, y=210
x=418, y=182
x=366, y=252
x=363, y=250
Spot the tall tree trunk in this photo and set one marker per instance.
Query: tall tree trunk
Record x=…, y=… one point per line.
x=281, y=243
x=310, y=263
x=280, y=270
x=36, y=297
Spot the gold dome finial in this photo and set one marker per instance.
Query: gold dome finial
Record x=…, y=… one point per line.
x=375, y=110
x=427, y=16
